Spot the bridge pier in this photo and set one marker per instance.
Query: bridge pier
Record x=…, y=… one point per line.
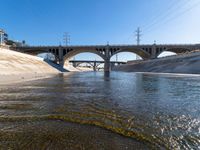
x=107, y=65
x=61, y=63
x=95, y=66
x=60, y=55
x=74, y=64
x=107, y=59
x=153, y=53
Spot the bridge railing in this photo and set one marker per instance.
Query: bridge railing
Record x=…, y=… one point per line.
x=113, y=45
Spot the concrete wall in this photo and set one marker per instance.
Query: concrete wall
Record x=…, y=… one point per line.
x=18, y=63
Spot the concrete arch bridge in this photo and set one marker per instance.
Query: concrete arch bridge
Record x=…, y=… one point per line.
x=65, y=53
x=95, y=64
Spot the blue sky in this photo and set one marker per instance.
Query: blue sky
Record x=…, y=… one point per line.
x=43, y=22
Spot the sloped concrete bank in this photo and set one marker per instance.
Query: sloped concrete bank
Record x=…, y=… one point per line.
x=17, y=67
x=186, y=64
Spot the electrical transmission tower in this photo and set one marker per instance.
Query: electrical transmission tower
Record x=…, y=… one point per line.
x=138, y=35
x=66, y=38
x=138, y=39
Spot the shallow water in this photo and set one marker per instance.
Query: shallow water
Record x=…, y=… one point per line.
x=134, y=111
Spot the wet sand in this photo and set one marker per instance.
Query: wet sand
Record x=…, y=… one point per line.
x=17, y=78
x=24, y=124
x=62, y=135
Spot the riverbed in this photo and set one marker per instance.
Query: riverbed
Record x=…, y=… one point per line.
x=94, y=110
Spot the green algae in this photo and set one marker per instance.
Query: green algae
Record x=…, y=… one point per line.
x=16, y=106
x=147, y=139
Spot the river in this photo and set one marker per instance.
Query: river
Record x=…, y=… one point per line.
x=94, y=110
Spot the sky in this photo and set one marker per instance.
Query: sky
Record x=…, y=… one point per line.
x=90, y=22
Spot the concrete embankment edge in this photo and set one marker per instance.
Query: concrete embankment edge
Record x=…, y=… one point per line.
x=183, y=64
x=18, y=67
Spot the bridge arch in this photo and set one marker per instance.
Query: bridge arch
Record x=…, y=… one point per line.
x=73, y=53
x=140, y=52
x=80, y=63
x=166, y=53
x=124, y=57
x=35, y=52
x=48, y=56
x=174, y=50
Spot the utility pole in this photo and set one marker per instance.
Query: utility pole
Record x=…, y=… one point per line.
x=66, y=38
x=138, y=39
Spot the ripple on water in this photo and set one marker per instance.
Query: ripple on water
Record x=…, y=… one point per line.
x=157, y=110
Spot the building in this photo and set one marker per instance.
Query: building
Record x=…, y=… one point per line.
x=3, y=37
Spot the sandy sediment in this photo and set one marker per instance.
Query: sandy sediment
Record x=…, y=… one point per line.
x=17, y=67
x=186, y=64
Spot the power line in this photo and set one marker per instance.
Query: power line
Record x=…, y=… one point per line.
x=159, y=13
x=174, y=17
x=168, y=15
x=173, y=7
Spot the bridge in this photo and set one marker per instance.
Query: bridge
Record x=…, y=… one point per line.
x=95, y=64
x=64, y=53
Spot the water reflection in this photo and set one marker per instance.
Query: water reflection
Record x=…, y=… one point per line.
x=160, y=111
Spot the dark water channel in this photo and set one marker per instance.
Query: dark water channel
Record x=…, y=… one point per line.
x=96, y=111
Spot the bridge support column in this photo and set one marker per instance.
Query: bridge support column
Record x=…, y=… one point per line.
x=153, y=52
x=95, y=66
x=60, y=54
x=74, y=64
x=107, y=65
x=107, y=60
x=61, y=63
